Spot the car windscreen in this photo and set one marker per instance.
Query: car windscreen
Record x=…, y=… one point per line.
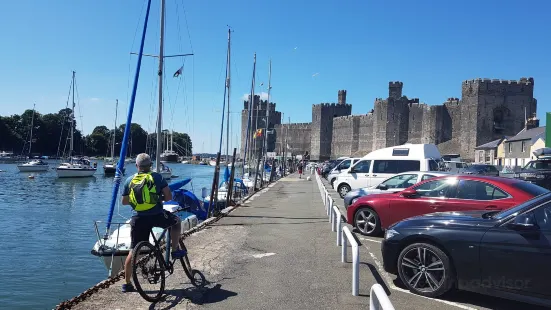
x=531, y=189
x=476, y=167
x=534, y=201
x=538, y=165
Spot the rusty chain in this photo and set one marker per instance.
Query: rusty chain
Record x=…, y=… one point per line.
x=68, y=304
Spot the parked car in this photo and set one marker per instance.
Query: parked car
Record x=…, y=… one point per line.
x=371, y=214
x=342, y=166
x=393, y=184
x=504, y=254
x=482, y=169
x=381, y=164
x=537, y=171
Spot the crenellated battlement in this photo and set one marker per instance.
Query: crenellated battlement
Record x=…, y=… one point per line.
x=413, y=100
x=295, y=126
x=395, y=84
x=523, y=80
x=327, y=105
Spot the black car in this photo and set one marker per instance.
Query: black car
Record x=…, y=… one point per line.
x=537, y=171
x=482, y=169
x=505, y=254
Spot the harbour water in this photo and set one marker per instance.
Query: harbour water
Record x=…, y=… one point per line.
x=47, y=231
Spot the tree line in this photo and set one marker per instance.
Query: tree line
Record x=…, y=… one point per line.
x=51, y=132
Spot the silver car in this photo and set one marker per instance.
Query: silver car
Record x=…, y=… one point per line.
x=393, y=184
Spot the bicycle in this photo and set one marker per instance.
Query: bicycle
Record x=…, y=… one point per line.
x=156, y=274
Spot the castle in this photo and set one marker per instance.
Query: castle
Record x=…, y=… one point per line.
x=488, y=110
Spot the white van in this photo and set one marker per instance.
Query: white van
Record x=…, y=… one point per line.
x=341, y=167
x=381, y=164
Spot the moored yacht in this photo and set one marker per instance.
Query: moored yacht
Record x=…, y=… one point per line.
x=169, y=156
x=80, y=168
x=34, y=165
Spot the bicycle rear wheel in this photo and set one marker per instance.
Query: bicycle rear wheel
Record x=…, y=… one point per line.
x=148, y=271
x=196, y=278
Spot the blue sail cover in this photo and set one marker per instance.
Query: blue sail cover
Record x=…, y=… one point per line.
x=176, y=185
x=226, y=174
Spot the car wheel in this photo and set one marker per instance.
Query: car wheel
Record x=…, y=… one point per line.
x=425, y=270
x=367, y=222
x=343, y=190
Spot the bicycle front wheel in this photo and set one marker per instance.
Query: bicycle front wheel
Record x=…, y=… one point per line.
x=148, y=271
x=196, y=278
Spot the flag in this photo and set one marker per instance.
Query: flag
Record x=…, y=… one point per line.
x=177, y=73
x=258, y=133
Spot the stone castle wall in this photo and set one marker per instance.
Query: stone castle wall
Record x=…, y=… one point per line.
x=488, y=110
x=296, y=136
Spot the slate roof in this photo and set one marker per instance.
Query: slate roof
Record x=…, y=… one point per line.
x=489, y=145
x=532, y=134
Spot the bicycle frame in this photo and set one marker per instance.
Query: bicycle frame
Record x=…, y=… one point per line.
x=166, y=231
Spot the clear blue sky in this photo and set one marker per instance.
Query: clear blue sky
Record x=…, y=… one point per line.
x=360, y=46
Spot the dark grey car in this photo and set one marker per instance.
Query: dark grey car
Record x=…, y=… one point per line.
x=482, y=169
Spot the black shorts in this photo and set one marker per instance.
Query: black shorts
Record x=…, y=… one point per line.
x=141, y=225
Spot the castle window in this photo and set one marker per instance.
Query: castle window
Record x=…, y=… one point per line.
x=510, y=147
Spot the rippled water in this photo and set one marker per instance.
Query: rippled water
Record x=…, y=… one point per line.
x=47, y=232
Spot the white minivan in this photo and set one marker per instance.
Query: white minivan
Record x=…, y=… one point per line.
x=341, y=167
x=381, y=164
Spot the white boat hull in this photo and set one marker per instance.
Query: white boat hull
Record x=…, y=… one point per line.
x=75, y=173
x=166, y=174
x=32, y=168
x=120, y=241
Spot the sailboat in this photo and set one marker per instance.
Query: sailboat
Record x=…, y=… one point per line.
x=35, y=165
x=114, y=245
x=76, y=167
x=169, y=156
x=110, y=166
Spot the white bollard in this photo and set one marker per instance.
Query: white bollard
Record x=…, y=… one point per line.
x=339, y=231
x=347, y=236
x=336, y=219
x=331, y=218
x=378, y=299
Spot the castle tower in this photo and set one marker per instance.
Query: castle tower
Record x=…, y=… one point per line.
x=322, y=126
x=275, y=118
x=395, y=89
x=342, y=97
x=491, y=109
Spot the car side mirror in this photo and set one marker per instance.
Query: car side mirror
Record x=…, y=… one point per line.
x=383, y=187
x=351, y=171
x=524, y=222
x=409, y=193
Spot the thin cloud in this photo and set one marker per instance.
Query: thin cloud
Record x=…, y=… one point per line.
x=315, y=74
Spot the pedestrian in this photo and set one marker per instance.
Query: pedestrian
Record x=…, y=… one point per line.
x=300, y=169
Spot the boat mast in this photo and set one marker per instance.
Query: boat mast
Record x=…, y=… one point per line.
x=160, y=73
x=114, y=131
x=72, y=123
x=32, y=125
x=225, y=94
x=249, y=122
x=228, y=87
x=265, y=144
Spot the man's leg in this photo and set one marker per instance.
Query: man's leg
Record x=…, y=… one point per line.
x=128, y=267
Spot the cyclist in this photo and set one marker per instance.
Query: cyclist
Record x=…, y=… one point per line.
x=145, y=192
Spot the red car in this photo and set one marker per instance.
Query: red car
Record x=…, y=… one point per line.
x=371, y=214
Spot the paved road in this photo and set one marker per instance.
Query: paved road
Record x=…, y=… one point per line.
x=278, y=252
x=455, y=300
